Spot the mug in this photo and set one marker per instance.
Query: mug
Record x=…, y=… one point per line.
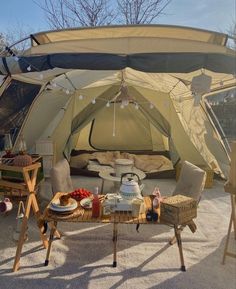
x=5, y=205
x=137, y=207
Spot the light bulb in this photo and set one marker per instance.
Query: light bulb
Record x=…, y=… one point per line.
x=122, y=105
x=151, y=106
x=29, y=68
x=108, y=104
x=67, y=91
x=94, y=101
x=16, y=58
x=136, y=106
x=125, y=102
x=81, y=97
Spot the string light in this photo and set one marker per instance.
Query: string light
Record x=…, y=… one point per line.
x=16, y=58
x=125, y=102
x=41, y=76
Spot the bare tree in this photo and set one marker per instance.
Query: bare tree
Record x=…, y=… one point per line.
x=232, y=36
x=72, y=13
x=3, y=43
x=140, y=11
x=17, y=37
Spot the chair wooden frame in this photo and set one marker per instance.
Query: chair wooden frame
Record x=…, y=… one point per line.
x=192, y=226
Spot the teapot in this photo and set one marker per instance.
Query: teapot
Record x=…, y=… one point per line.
x=129, y=188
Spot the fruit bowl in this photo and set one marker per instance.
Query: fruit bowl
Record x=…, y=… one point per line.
x=80, y=194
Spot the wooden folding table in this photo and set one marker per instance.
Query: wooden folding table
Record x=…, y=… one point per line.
x=85, y=216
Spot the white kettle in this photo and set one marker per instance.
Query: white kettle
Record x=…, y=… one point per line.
x=129, y=188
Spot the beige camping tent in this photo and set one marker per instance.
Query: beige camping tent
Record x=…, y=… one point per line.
x=125, y=88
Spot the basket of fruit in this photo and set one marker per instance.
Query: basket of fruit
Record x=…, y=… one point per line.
x=80, y=194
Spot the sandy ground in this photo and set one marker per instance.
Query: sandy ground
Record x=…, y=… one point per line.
x=83, y=257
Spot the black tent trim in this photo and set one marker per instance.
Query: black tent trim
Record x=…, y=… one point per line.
x=146, y=62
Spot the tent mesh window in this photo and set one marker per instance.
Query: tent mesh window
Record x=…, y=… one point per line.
x=15, y=103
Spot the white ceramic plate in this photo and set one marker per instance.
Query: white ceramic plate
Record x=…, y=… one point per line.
x=55, y=206
x=86, y=203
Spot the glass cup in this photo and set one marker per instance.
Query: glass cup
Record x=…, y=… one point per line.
x=7, y=144
x=136, y=207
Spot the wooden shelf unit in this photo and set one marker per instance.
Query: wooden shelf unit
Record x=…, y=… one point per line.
x=29, y=176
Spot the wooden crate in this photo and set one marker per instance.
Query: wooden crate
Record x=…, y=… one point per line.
x=209, y=175
x=17, y=177
x=178, y=209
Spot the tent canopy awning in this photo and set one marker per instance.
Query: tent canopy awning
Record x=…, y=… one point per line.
x=143, y=31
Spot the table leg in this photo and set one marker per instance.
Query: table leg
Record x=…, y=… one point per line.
x=38, y=215
x=52, y=232
x=114, y=244
x=179, y=242
x=173, y=240
x=227, y=239
x=22, y=233
x=233, y=205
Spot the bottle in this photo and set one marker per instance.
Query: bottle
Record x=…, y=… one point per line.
x=157, y=198
x=95, y=204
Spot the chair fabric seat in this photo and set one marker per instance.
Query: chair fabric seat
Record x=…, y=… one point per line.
x=191, y=181
x=60, y=177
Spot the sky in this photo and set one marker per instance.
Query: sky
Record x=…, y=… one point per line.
x=216, y=15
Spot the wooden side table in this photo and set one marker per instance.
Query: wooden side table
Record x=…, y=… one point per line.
x=29, y=175
x=230, y=187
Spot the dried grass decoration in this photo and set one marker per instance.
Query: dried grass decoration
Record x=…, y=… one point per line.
x=22, y=160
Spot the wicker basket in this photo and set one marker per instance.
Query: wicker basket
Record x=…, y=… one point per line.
x=178, y=210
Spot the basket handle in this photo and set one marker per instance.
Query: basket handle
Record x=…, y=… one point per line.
x=21, y=207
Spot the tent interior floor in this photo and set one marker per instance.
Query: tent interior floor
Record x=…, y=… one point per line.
x=75, y=261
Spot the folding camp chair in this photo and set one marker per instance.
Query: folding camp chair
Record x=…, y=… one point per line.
x=190, y=184
x=60, y=177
